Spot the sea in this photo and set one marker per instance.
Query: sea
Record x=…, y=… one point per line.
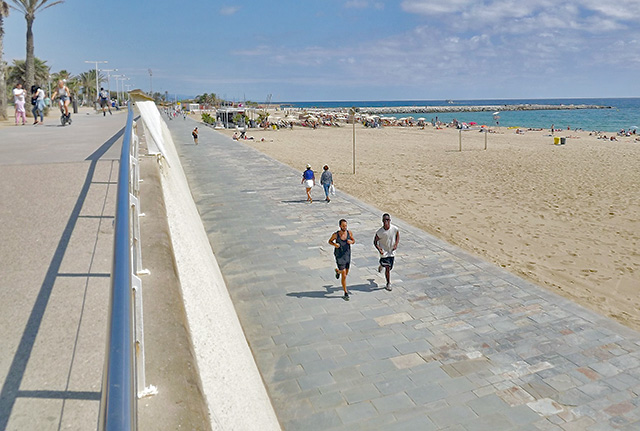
x=622, y=114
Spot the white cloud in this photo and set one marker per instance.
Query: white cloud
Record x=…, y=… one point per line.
x=435, y=7
x=229, y=10
x=520, y=47
x=363, y=4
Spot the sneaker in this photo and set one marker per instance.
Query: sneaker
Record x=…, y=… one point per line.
x=337, y=274
x=346, y=296
x=388, y=287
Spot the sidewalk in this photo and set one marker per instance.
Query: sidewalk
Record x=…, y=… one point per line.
x=459, y=344
x=58, y=201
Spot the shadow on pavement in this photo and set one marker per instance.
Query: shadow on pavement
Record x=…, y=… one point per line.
x=11, y=387
x=330, y=290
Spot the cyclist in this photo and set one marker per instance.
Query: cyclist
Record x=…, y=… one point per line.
x=62, y=91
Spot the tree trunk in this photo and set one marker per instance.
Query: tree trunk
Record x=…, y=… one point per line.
x=29, y=63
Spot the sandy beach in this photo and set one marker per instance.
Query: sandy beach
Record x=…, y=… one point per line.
x=566, y=217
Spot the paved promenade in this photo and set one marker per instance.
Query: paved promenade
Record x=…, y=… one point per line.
x=458, y=345
x=58, y=187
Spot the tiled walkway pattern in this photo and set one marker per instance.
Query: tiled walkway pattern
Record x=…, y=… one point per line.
x=459, y=344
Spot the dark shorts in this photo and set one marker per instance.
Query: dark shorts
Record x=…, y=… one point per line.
x=387, y=262
x=342, y=266
x=104, y=103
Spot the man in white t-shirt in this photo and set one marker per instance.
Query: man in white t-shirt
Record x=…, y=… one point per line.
x=386, y=241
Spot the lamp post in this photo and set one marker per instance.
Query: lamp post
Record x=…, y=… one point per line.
x=117, y=88
x=123, y=85
x=109, y=79
x=353, y=119
x=150, y=83
x=97, y=84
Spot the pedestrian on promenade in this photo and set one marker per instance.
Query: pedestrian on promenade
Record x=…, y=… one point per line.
x=342, y=241
x=309, y=180
x=37, y=100
x=326, y=179
x=194, y=133
x=19, y=98
x=104, y=101
x=386, y=242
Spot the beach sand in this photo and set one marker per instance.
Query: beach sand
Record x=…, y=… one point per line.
x=565, y=217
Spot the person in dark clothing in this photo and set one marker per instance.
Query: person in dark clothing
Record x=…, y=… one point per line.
x=342, y=241
x=326, y=180
x=194, y=134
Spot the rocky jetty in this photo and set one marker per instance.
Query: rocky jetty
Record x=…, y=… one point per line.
x=492, y=108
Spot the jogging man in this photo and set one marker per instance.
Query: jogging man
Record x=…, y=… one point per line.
x=386, y=242
x=342, y=241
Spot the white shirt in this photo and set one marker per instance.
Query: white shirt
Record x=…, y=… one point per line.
x=387, y=240
x=18, y=95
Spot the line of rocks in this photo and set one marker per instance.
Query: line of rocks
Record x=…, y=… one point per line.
x=493, y=108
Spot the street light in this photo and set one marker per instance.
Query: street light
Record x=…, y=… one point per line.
x=124, y=78
x=109, y=79
x=150, y=83
x=117, y=88
x=97, y=85
x=353, y=118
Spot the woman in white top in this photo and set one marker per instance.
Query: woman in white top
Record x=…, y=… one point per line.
x=63, y=92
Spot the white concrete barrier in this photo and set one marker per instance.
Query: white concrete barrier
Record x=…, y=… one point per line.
x=232, y=385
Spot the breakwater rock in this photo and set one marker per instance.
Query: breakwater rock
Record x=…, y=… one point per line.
x=492, y=108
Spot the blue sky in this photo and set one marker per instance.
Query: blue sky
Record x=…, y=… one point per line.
x=348, y=49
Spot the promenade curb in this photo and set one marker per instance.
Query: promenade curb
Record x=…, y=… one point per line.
x=223, y=356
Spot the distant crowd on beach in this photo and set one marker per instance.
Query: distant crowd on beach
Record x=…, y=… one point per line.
x=622, y=133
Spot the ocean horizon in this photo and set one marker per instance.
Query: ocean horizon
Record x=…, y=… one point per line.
x=623, y=114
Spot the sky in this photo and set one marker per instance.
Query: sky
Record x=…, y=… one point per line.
x=297, y=50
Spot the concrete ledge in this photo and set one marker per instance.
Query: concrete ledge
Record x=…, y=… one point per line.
x=233, y=388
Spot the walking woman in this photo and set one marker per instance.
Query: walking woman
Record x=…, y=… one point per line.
x=309, y=180
x=37, y=100
x=326, y=179
x=342, y=241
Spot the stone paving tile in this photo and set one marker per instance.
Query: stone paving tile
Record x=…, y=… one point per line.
x=458, y=345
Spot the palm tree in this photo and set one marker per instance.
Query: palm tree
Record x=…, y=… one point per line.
x=61, y=75
x=18, y=72
x=87, y=81
x=4, y=11
x=30, y=8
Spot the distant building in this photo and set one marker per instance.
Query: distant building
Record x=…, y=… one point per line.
x=225, y=116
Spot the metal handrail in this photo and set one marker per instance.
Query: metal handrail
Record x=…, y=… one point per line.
x=118, y=404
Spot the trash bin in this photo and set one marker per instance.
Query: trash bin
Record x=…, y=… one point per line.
x=563, y=140
x=556, y=140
